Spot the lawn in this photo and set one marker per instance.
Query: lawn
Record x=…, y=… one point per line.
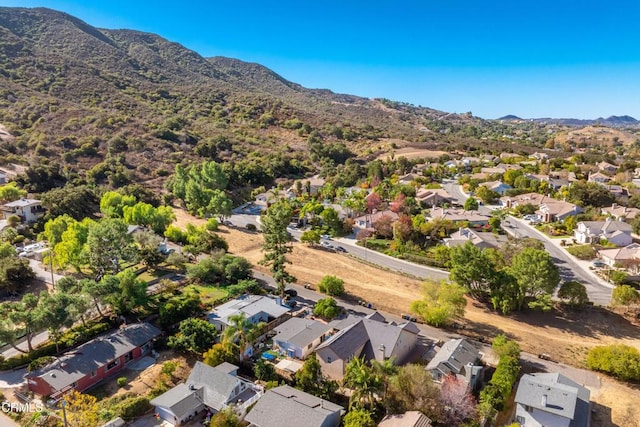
x=152, y=274
x=208, y=294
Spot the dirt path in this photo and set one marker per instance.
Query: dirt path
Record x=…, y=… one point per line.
x=567, y=336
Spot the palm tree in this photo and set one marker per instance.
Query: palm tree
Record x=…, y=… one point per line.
x=385, y=370
x=363, y=381
x=242, y=332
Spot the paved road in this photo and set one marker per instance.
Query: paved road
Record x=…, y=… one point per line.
x=570, y=269
x=42, y=274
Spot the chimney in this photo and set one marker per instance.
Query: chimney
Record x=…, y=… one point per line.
x=544, y=400
x=613, y=206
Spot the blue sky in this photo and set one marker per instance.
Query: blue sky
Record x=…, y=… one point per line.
x=548, y=58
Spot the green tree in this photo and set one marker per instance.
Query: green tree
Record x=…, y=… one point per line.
x=100, y=291
x=472, y=268
x=471, y=204
x=331, y=285
x=619, y=360
x=310, y=379
x=158, y=219
x=14, y=273
x=55, y=312
x=276, y=242
x=575, y=293
x=625, y=295
x=327, y=308
x=310, y=237
x=218, y=354
x=536, y=275
x=413, y=389
x=240, y=334
x=148, y=248
x=364, y=383
x=194, y=335
x=225, y=418
x=77, y=201
x=23, y=315
x=132, y=292
x=108, y=245
x=112, y=204
x=486, y=195
x=71, y=249
x=332, y=220
x=358, y=417
x=264, y=371
x=441, y=303
x=10, y=192
x=202, y=188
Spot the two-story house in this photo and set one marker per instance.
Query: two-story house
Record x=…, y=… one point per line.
x=29, y=210
x=551, y=400
x=256, y=308
x=616, y=232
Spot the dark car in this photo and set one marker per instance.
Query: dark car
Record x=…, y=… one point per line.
x=340, y=249
x=291, y=293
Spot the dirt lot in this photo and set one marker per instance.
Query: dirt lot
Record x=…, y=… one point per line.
x=566, y=336
x=413, y=153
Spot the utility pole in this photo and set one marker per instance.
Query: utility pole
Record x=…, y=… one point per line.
x=53, y=283
x=64, y=413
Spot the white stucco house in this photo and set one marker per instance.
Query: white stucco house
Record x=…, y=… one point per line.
x=615, y=232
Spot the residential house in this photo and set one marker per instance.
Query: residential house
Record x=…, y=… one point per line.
x=618, y=191
x=615, y=232
x=297, y=338
x=474, y=218
x=256, y=308
x=469, y=162
x=621, y=213
x=29, y=210
x=368, y=221
x=266, y=199
x=285, y=406
x=456, y=357
x=430, y=197
x=479, y=239
x=598, y=177
x=93, y=361
x=369, y=337
x=607, y=167
x=497, y=186
x=541, y=157
x=557, y=210
x=552, y=400
x=408, y=419
x=627, y=257
x=207, y=388
x=497, y=170
x=409, y=178
x=311, y=185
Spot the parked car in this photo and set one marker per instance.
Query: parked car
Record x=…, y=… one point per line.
x=308, y=286
x=340, y=249
x=598, y=264
x=325, y=237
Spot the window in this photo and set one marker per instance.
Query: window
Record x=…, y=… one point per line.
x=113, y=364
x=528, y=408
x=309, y=346
x=520, y=420
x=93, y=374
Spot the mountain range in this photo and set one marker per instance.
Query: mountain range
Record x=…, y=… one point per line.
x=123, y=106
x=611, y=121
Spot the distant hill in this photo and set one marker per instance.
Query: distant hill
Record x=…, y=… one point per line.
x=612, y=121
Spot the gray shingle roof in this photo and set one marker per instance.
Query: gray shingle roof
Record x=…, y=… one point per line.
x=556, y=394
x=22, y=203
x=285, y=406
x=370, y=333
x=181, y=400
x=300, y=332
x=453, y=357
x=248, y=305
x=217, y=383
x=88, y=357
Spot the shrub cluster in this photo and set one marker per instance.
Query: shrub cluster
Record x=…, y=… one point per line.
x=619, y=360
